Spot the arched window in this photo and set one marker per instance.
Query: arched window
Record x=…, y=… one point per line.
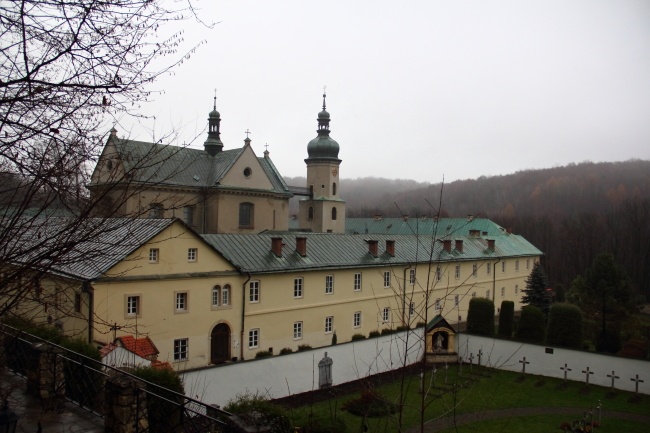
x=156, y=210
x=221, y=296
x=333, y=188
x=246, y=215
x=310, y=213
x=333, y=214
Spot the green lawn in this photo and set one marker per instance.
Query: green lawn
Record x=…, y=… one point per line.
x=477, y=392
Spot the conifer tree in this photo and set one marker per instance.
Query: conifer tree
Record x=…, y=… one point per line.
x=535, y=293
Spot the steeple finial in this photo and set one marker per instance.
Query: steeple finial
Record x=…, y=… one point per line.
x=215, y=98
x=324, y=95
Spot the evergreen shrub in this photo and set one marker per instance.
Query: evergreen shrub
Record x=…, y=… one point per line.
x=303, y=347
x=286, y=350
x=263, y=354
x=387, y=331
x=564, y=327
x=356, y=337
x=165, y=410
x=506, y=318
x=531, y=324
x=480, y=317
x=373, y=334
x=259, y=412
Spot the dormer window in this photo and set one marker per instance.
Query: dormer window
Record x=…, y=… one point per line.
x=248, y=172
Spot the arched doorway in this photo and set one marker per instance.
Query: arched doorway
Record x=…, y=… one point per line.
x=220, y=344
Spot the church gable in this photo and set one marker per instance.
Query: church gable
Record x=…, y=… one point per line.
x=109, y=167
x=247, y=172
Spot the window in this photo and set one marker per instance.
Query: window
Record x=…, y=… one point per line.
x=412, y=277
x=457, y=271
x=333, y=214
x=310, y=213
x=474, y=270
x=248, y=172
x=181, y=302
x=77, y=302
x=333, y=188
x=411, y=308
x=385, y=315
x=180, y=349
x=191, y=254
x=133, y=306
x=188, y=215
x=297, y=288
x=153, y=255
x=516, y=265
x=456, y=299
x=254, y=291
x=503, y=266
x=487, y=294
x=329, y=324
x=438, y=304
x=329, y=284
x=156, y=210
x=220, y=297
x=488, y=267
x=357, y=282
x=473, y=295
x=246, y=215
x=527, y=263
x=386, y=279
x=503, y=292
x=253, y=338
x=516, y=289
x=438, y=273
x=297, y=330
x=356, y=321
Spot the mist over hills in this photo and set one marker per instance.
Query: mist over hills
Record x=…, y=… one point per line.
x=571, y=213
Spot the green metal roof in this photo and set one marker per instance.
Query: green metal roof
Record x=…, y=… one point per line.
x=252, y=253
x=162, y=164
x=440, y=227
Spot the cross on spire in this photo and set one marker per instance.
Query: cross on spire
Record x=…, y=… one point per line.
x=247, y=132
x=324, y=95
x=215, y=98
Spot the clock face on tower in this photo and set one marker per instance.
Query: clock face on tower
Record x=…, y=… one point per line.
x=334, y=172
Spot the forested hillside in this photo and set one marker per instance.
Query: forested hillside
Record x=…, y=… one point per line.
x=571, y=213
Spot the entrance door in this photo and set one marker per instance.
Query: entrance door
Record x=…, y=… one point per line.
x=220, y=347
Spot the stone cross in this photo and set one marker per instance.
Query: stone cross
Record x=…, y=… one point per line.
x=587, y=373
x=523, y=363
x=446, y=367
x=434, y=376
x=566, y=369
x=614, y=377
x=636, y=384
x=480, y=353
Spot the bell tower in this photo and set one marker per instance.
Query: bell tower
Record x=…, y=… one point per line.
x=323, y=211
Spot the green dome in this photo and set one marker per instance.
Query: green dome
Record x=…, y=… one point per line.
x=214, y=113
x=323, y=147
x=323, y=115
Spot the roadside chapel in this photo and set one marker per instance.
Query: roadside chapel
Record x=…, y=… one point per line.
x=440, y=339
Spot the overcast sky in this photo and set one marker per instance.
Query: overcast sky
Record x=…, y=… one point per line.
x=418, y=89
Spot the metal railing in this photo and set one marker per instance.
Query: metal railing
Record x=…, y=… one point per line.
x=85, y=380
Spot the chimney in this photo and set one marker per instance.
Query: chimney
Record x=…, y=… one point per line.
x=509, y=230
x=474, y=232
x=301, y=246
x=447, y=245
x=405, y=217
x=459, y=245
x=491, y=244
x=390, y=248
x=372, y=248
x=276, y=246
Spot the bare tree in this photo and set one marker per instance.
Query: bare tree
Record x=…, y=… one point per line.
x=67, y=68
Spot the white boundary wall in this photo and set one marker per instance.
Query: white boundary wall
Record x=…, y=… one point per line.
x=506, y=354
x=280, y=376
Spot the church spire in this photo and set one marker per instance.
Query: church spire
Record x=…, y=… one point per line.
x=213, y=144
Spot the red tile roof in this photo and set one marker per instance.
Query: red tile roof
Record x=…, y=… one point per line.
x=143, y=347
x=159, y=365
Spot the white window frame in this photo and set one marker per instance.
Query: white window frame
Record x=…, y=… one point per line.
x=298, y=287
x=516, y=289
x=356, y=319
x=488, y=268
x=181, y=349
x=254, y=292
x=181, y=302
x=456, y=300
x=192, y=254
x=329, y=284
x=357, y=282
x=154, y=255
x=527, y=264
x=411, y=308
x=438, y=273
x=385, y=315
x=329, y=324
x=473, y=295
x=412, y=277
x=297, y=330
x=133, y=307
x=503, y=292
x=503, y=267
x=386, y=279
x=253, y=338
x=457, y=274
x=487, y=294
x=474, y=270
x=516, y=265
x=438, y=306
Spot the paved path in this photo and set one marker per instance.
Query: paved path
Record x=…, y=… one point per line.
x=572, y=413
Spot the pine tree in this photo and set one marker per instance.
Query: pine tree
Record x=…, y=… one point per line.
x=535, y=293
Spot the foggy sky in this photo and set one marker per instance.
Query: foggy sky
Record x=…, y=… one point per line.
x=417, y=89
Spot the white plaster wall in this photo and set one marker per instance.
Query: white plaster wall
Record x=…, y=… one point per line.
x=120, y=357
x=506, y=354
x=280, y=376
